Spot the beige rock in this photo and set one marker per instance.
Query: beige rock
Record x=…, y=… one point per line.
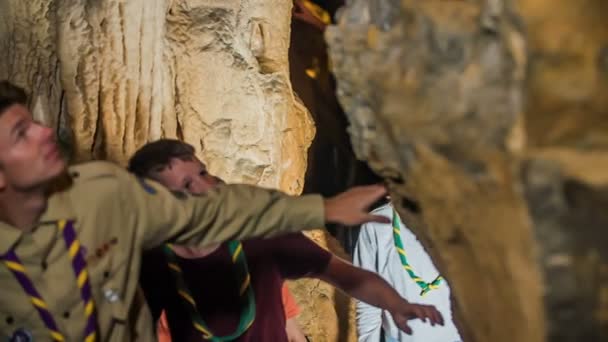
x=112, y=75
x=449, y=77
x=435, y=93
x=568, y=48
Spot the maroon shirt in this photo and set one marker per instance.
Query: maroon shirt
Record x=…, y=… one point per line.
x=216, y=291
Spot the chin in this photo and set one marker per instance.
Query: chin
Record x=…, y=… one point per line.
x=56, y=169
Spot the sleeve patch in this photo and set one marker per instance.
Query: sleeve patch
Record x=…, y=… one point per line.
x=147, y=187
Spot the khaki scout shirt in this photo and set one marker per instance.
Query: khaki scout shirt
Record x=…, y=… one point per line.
x=116, y=217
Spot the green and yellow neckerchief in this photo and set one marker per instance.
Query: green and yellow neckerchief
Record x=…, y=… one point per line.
x=424, y=286
x=245, y=291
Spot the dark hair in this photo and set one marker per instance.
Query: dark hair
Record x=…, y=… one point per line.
x=10, y=95
x=156, y=155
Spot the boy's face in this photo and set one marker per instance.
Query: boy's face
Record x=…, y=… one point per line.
x=29, y=155
x=187, y=175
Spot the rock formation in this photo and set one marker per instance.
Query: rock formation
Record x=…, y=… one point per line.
x=479, y=114
x=111, y=75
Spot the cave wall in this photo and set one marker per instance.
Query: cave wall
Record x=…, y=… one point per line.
x=567, y=73
x=490, y=116
x=111, y=75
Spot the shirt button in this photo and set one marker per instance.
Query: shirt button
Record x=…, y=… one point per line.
x=10, y=320
x=111, y=295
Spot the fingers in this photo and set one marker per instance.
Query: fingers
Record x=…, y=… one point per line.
x=433, y=314
x=374, y=192
x=426, y=311
x=439, y=317
x=377, y=218
x=351, y=207
x=420, y=312
x=404, y=327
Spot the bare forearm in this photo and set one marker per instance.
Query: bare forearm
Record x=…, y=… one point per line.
x=374, y=290
x=294, y=333
x=363, y=285
x=370, y=288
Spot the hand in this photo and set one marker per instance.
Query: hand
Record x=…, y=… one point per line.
x=352, y=206
x=301, y=12
x=411, y=311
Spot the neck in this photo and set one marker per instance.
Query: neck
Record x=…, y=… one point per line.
x=22, y=209
x=194, y=253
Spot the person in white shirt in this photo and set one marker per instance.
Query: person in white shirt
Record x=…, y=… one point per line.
x=412, y=274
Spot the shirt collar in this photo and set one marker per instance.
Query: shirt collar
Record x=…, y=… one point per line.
x=59, y=207
x=9, y=236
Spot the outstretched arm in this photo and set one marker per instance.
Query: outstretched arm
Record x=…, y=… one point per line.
x=372, y=289
x=311, y=14
x=231, y=212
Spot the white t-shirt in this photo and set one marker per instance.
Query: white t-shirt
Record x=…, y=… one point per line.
x=375, y=251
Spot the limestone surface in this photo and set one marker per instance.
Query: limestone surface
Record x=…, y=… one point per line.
x=112, y=75
x=486, y=118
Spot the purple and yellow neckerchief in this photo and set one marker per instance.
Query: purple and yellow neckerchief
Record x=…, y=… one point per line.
x=79, y=265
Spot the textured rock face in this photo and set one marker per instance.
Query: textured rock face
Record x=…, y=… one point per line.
x=435, y=93
x=568, y=48
x=565, y=118
x=112, y=75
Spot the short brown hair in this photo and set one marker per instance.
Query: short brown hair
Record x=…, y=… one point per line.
x=156, y=155
x=10, y=95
